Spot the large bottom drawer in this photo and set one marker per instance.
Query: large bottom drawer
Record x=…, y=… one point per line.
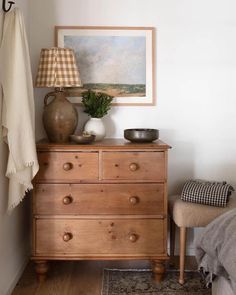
x=99, y=237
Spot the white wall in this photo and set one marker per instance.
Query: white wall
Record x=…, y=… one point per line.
x=195, y=81
x=14, y=228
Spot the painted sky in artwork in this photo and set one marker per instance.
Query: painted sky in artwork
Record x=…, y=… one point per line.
x=110, y=59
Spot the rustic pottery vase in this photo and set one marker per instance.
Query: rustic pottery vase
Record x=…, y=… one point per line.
x=96, y=127
x=60, y=117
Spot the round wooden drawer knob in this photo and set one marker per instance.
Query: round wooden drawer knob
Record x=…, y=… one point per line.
x=133, y=238
x=133, y=167
x=67, y=200
x=67, y=166
x=67, y=237
x=134, y=200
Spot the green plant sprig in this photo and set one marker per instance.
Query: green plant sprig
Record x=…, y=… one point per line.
x=96, y=104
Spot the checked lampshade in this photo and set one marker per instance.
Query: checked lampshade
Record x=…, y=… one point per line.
x=57, y=68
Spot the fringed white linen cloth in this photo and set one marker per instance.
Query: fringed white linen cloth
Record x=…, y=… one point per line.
x=18, y=113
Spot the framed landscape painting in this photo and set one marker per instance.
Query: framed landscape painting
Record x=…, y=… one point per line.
x=116, y=60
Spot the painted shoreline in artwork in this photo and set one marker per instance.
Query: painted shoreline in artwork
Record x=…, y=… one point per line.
x=116, y=90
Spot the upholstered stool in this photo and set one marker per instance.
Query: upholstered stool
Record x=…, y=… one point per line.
x=184, y=215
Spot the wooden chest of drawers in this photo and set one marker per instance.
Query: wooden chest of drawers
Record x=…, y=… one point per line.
x=104, y=201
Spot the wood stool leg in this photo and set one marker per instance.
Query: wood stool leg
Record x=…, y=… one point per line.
x=172, y=238
x=183, y=231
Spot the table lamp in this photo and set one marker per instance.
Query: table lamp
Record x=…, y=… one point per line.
x=57, y=68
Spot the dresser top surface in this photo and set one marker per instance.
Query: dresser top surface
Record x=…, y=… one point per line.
x=108, y=143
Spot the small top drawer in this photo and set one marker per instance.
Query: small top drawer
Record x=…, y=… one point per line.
x=67, y=166
x=143, y=166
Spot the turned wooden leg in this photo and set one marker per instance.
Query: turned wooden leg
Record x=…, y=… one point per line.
x=158, y=269
x=41, y=268
x=182, y=251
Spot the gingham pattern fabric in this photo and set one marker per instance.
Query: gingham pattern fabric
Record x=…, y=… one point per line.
x=206, y=192
x=57, y=68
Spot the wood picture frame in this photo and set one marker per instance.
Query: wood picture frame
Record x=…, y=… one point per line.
x=116, y=60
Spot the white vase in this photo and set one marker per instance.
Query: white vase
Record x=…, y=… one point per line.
x=95, y=126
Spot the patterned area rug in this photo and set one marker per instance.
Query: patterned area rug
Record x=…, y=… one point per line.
x=140, y=282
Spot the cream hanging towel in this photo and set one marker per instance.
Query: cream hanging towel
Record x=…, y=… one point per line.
x=18, y=113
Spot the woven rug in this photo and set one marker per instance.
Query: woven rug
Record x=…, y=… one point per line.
x=140, y=282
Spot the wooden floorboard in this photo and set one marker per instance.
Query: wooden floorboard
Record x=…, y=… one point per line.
x=78, y=277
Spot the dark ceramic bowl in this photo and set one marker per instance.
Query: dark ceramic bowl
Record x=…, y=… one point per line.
x=82, y=139
x=141, y=135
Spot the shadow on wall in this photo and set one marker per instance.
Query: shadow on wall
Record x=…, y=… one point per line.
x=41, y=25
x=191, y=233
x=3, y=178
x=180, y=169
x=3, y=153
x=229, y=169
x=180, y=162
x=109, y=123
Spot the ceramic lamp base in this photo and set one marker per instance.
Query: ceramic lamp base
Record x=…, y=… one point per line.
x=60, y=117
